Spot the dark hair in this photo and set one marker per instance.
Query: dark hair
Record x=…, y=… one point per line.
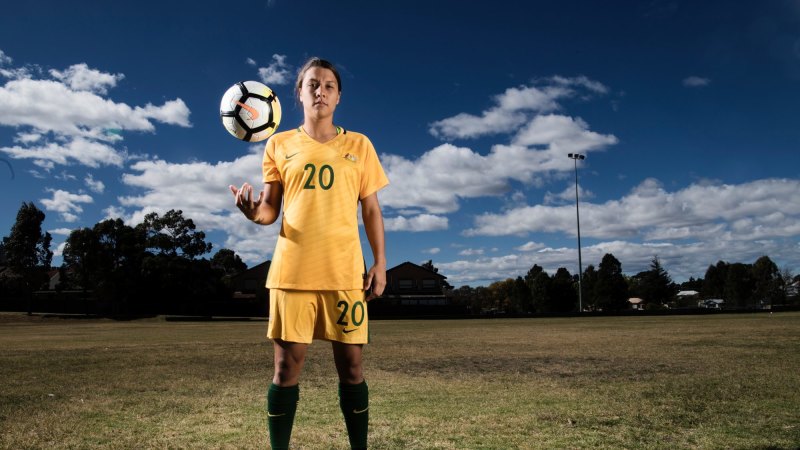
x=316, y=62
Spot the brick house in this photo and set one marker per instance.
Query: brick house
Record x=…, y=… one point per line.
x=410, y=284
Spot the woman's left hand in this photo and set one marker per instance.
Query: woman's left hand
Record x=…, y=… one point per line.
x=375, y=282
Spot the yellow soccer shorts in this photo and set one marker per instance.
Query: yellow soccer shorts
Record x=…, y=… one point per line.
x=302, y=316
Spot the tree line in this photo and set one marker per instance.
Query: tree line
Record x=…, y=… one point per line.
x=154, y=267
x=157, y=267
x=607, y=289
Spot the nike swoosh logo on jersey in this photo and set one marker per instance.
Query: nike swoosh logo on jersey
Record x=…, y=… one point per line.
x=345, y=330
x=355, y=411
x=292, y=155
x=253, y=112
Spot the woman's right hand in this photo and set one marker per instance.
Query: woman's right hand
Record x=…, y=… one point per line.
x=243, y=197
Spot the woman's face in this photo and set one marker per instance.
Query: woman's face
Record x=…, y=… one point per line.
x=319, y=93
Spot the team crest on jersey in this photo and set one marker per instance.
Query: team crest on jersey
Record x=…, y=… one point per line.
x=351, y=157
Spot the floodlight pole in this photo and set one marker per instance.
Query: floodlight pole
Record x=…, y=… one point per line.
x=575, y=157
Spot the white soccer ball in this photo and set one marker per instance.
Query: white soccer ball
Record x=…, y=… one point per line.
x=250, y=111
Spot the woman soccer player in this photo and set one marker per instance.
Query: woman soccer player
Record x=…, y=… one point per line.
x=317, y=280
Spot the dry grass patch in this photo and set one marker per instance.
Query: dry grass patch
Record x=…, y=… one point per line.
x=720, y=381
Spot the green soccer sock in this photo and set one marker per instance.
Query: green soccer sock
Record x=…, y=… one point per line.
x=354, y=401
x=281, y=406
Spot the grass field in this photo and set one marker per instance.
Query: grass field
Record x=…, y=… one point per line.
x=713, y=381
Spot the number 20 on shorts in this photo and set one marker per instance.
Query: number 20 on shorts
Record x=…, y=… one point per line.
x=356, y=313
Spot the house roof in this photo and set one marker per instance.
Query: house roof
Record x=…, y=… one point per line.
x=409, y=264
x=259, y=270
x=687, y=293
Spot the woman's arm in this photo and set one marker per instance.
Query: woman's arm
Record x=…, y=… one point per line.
x=373, y=224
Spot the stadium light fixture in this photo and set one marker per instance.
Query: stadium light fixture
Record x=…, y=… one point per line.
x=575, y=157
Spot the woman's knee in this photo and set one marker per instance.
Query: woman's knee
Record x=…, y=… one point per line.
x=289, y=362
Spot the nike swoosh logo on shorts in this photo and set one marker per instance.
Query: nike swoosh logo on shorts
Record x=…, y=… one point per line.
x=269, y=414
x=253, y=112
x=355, y=411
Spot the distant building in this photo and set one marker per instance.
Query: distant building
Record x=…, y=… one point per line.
x=251, y=284
x=636, y=303
x=409, y=284
x=415, y=291
x=711, y=303
x=249, y=293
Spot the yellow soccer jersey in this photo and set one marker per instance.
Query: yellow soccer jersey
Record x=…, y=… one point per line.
x=319, y=246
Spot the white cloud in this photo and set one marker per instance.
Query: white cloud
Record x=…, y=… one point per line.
x=277, y=72
x=582, y=81
x=79, y=77
x=250, y=61
x=114, y=212
x=471, y=252
x=51, y=106
x=59, y=250
x=65, y=176
x=79, y=150
x=94, y=185
x=27, y=138
x=530, y=246
x=421, y=222
x=5, y=59
x=172, y=112
x=14, y=73
x=440, y=177
x=66, y=204
x=755, y=210
x=67, y=119
x=562, y=134
x=432, y=251
x=695, y=81
x=437, y=179
x=567, y=195
x=513, y=108
x=61, y=231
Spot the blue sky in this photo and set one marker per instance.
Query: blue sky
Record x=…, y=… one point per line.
x=686, y=111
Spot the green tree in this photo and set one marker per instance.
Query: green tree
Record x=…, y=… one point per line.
x=500, y=293
x=481, y=299
x=82, y=256
x=173, y=235
x=532, y=274
x=769, y=287
x=611, y=290
x=655, y=286
x=465, y=296
x=563, y=296
x=692, y=284
x=714, y=280
x=106, y=259
x=429, y=265
x=27, y=250
x=739, y=286
x=540, y=292
x=523, y=300
x=588, y=283
x=228, y=262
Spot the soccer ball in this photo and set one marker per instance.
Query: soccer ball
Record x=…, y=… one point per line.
x=250, y=111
